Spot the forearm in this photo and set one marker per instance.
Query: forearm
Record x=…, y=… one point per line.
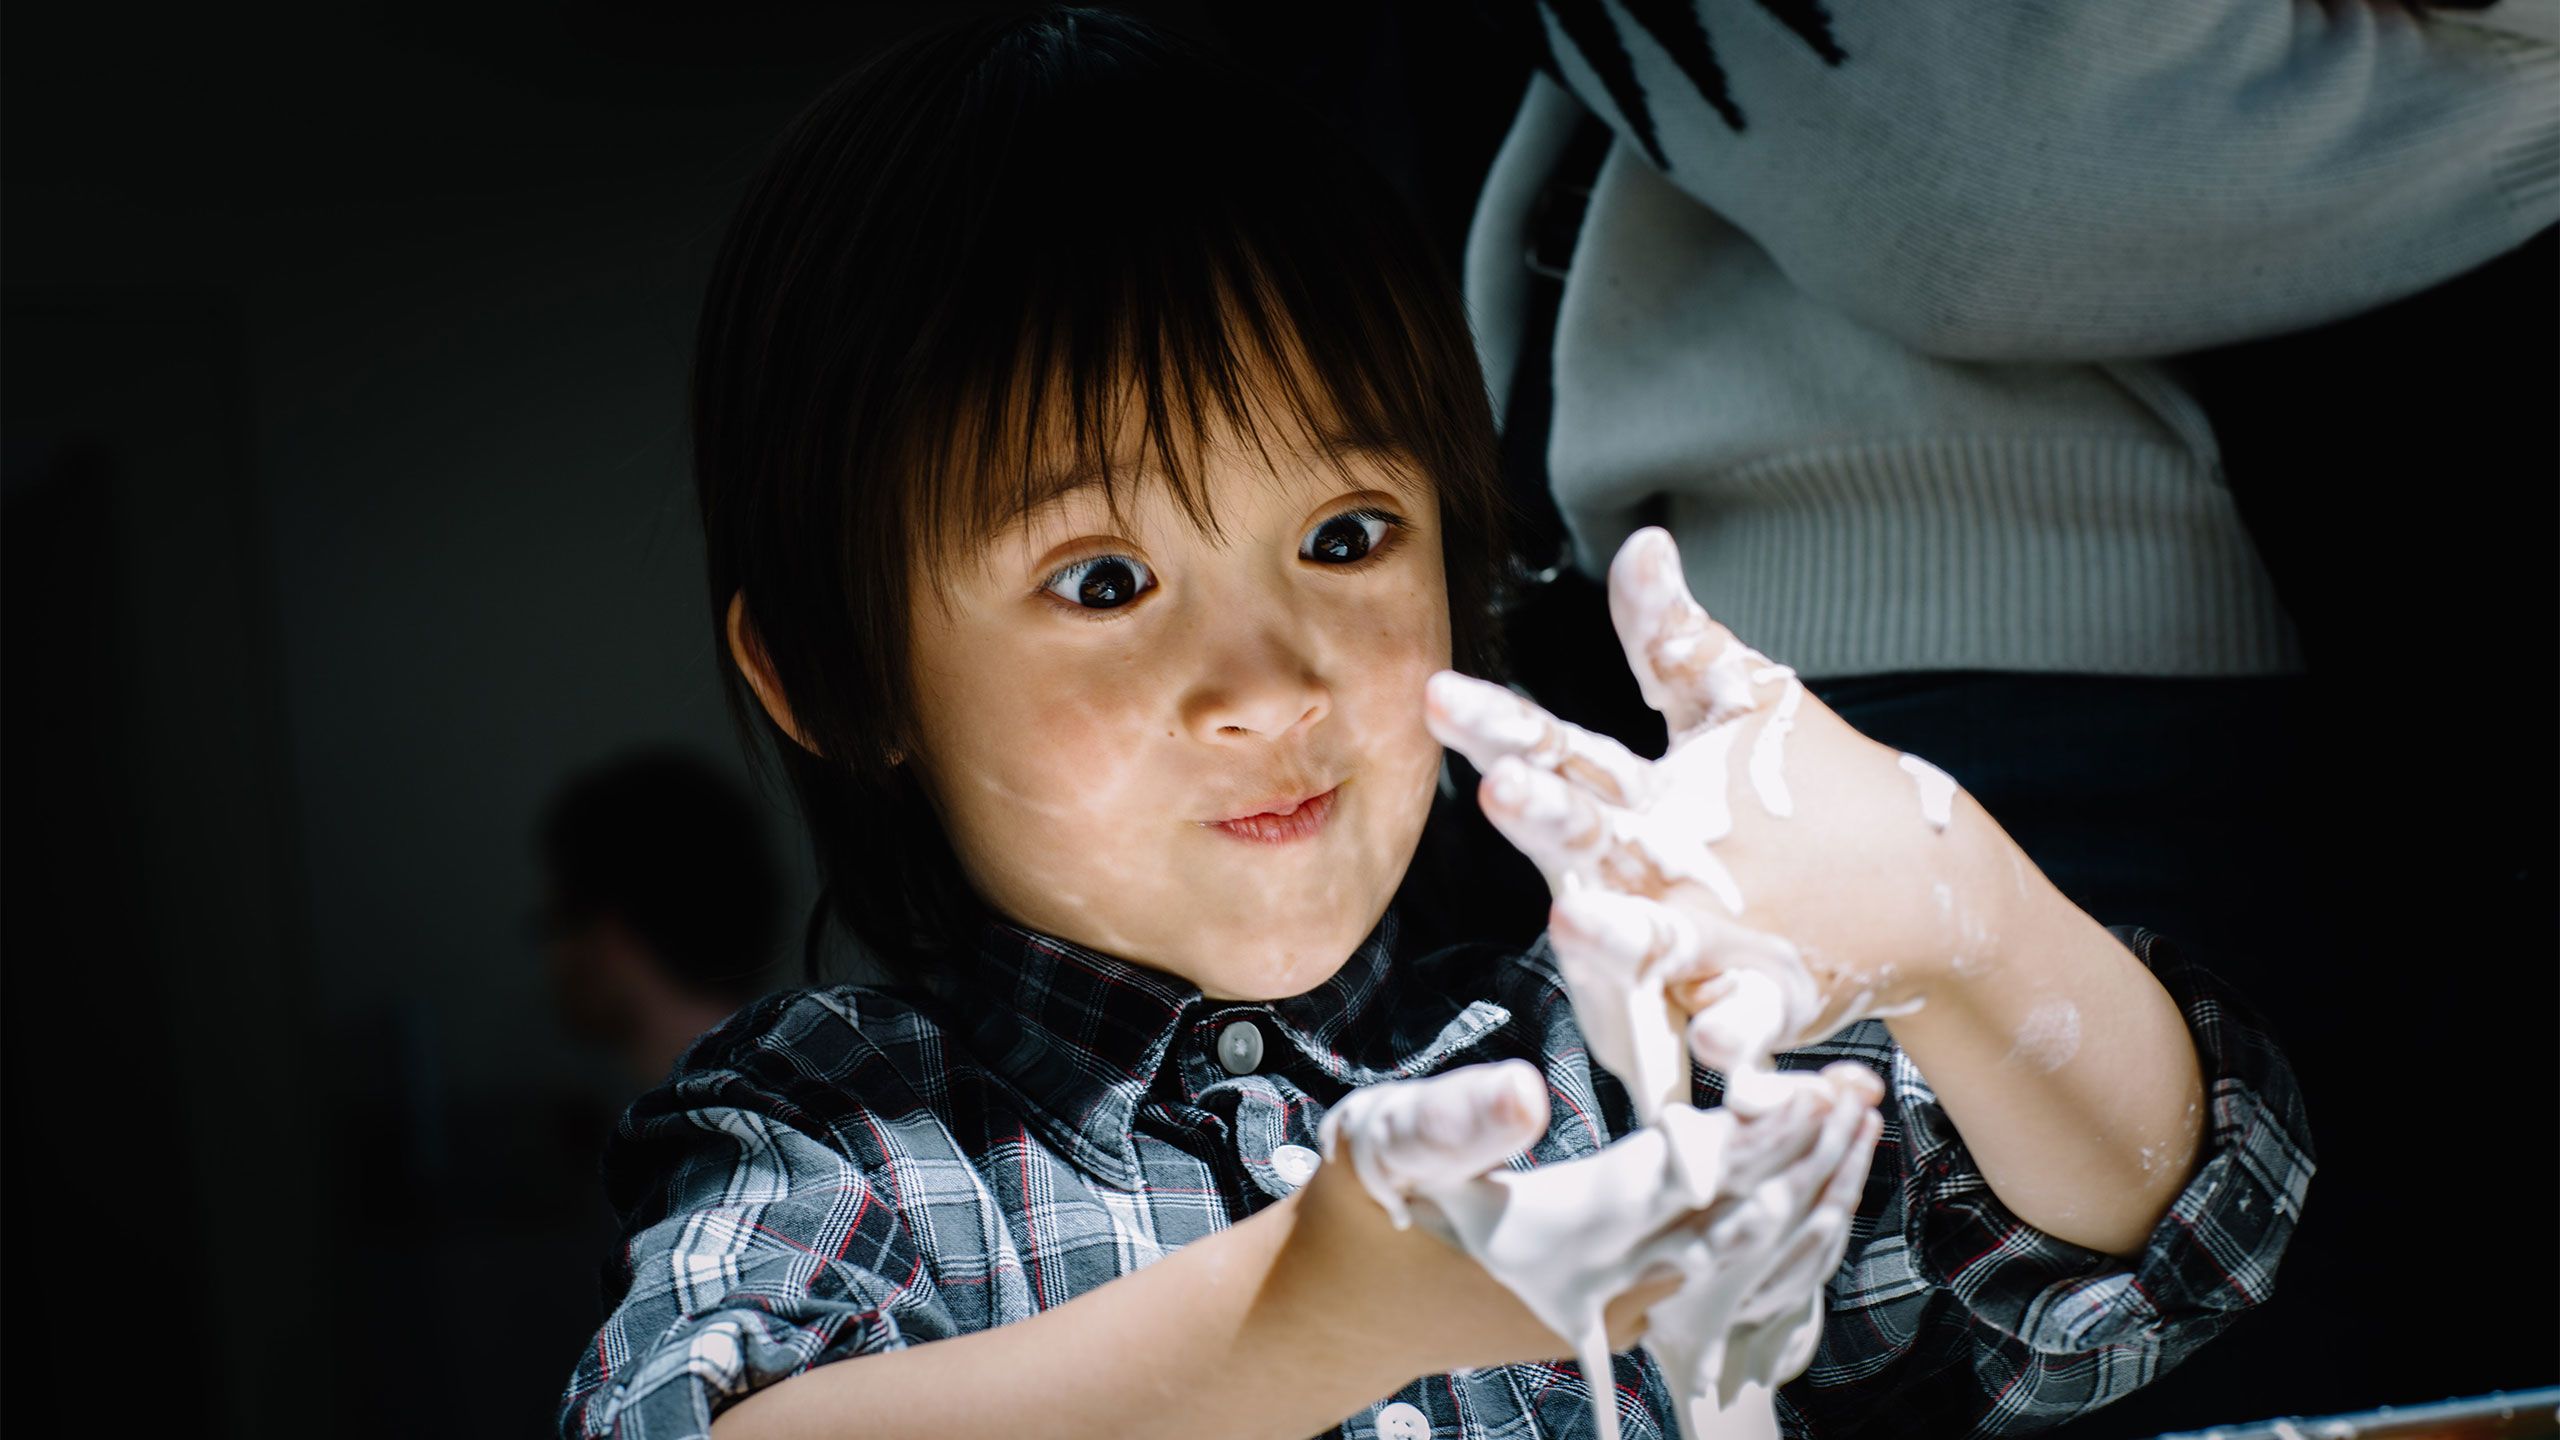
x=2069, y=1072
x=1206, y=1330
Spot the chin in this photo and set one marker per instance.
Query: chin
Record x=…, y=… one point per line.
x=1266, y=966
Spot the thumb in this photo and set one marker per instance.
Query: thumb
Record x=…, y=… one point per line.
x=1741, y=1028
x=1406, y=1137
x=1689, y=667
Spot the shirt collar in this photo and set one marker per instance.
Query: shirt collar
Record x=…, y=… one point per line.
x=1082, y=1036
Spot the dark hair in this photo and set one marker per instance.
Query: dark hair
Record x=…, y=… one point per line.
x=954, y=267
x=677, y=849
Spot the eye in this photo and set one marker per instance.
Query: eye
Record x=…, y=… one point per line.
x=1105, y=582
x=1351, y=537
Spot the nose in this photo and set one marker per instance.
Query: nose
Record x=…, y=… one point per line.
x=1255, y=683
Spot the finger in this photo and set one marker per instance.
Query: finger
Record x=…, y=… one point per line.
x=1765, y=1142
x=1696, y=992
x=1848, y=1184
x=1741, y=1029
x=1562, y=828
x=1778, y=1347
x=1725, y=946
x=1613, y=951
x=1806, y=1179
x=1628, y=935
x=1824, y=1226
x=1797, y=1342
x=1688, y=667
x=1806, y=1259
x=1408, y=1136
x=1751, y=1239
x=1484, y=722
x=1856, y=1083
x=1629, y=1314
x=1751, y=997
x=1823, y=1241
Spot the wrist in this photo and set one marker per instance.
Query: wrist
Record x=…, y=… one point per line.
x=1325, y=1321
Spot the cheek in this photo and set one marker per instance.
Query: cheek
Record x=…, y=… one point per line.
x=1405, y=638
x=1034, y=745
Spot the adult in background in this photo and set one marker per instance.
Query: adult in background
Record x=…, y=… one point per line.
x=660, y=913
x=1945, y=339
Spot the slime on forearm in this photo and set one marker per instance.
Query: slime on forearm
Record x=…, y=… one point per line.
x=1768, y=759
x=1620, y=955
x=1937, y=791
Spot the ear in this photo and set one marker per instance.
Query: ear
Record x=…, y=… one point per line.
x=748, y=652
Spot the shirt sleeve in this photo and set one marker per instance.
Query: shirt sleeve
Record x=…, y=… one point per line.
x=2054, y=1329
x=755, y=1250
x=2073, y=182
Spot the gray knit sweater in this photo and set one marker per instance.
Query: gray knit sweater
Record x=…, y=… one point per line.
x=1878, y=300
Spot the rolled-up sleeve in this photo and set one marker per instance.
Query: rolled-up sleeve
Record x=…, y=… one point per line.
x=2058, y=1329
x=755, y=1250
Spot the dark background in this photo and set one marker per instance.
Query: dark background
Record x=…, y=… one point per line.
x=346, y=511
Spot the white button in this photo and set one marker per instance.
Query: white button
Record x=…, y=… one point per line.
x=1294, y=1164
x=1240, y=1047
x=1400, y=1421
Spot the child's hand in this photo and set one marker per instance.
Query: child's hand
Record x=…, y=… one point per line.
x=1777, y=840
x=1406, y=1291
x=1778, y=1235
x=1769, y=1196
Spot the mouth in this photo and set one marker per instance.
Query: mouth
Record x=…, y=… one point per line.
x=1282, y=822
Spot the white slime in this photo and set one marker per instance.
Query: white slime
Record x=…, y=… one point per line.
x=1680, y=1196
x=2048, y=1037
x=1568, y=1238
x=1619, y=956
x=1768, y=775
x=1937, y=791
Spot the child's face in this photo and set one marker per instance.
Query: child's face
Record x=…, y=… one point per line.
x=1096, y=697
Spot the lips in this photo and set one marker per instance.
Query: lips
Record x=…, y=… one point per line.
x=1282, y=805
x=1288, y=820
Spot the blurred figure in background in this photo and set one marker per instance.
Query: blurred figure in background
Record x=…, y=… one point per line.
x=660, y=914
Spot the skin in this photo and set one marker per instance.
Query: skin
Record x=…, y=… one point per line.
x=2088, y=1142
x=1076, y=752
x=1074, y=762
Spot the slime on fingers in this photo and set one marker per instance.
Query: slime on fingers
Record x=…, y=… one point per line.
x=1568, y=1238
x=1753, y=1224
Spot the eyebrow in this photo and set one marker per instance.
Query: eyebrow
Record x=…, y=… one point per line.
x=1055, y=487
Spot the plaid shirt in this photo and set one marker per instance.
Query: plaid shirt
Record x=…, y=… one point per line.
x=839, y=1171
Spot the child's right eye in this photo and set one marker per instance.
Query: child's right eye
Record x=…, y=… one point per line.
x=1103, y=583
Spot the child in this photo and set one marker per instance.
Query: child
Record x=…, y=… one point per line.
x=1094, y=470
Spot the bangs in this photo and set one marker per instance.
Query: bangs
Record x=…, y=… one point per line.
x=1006, y=258
x=1140, y=400
x=1147, y=266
